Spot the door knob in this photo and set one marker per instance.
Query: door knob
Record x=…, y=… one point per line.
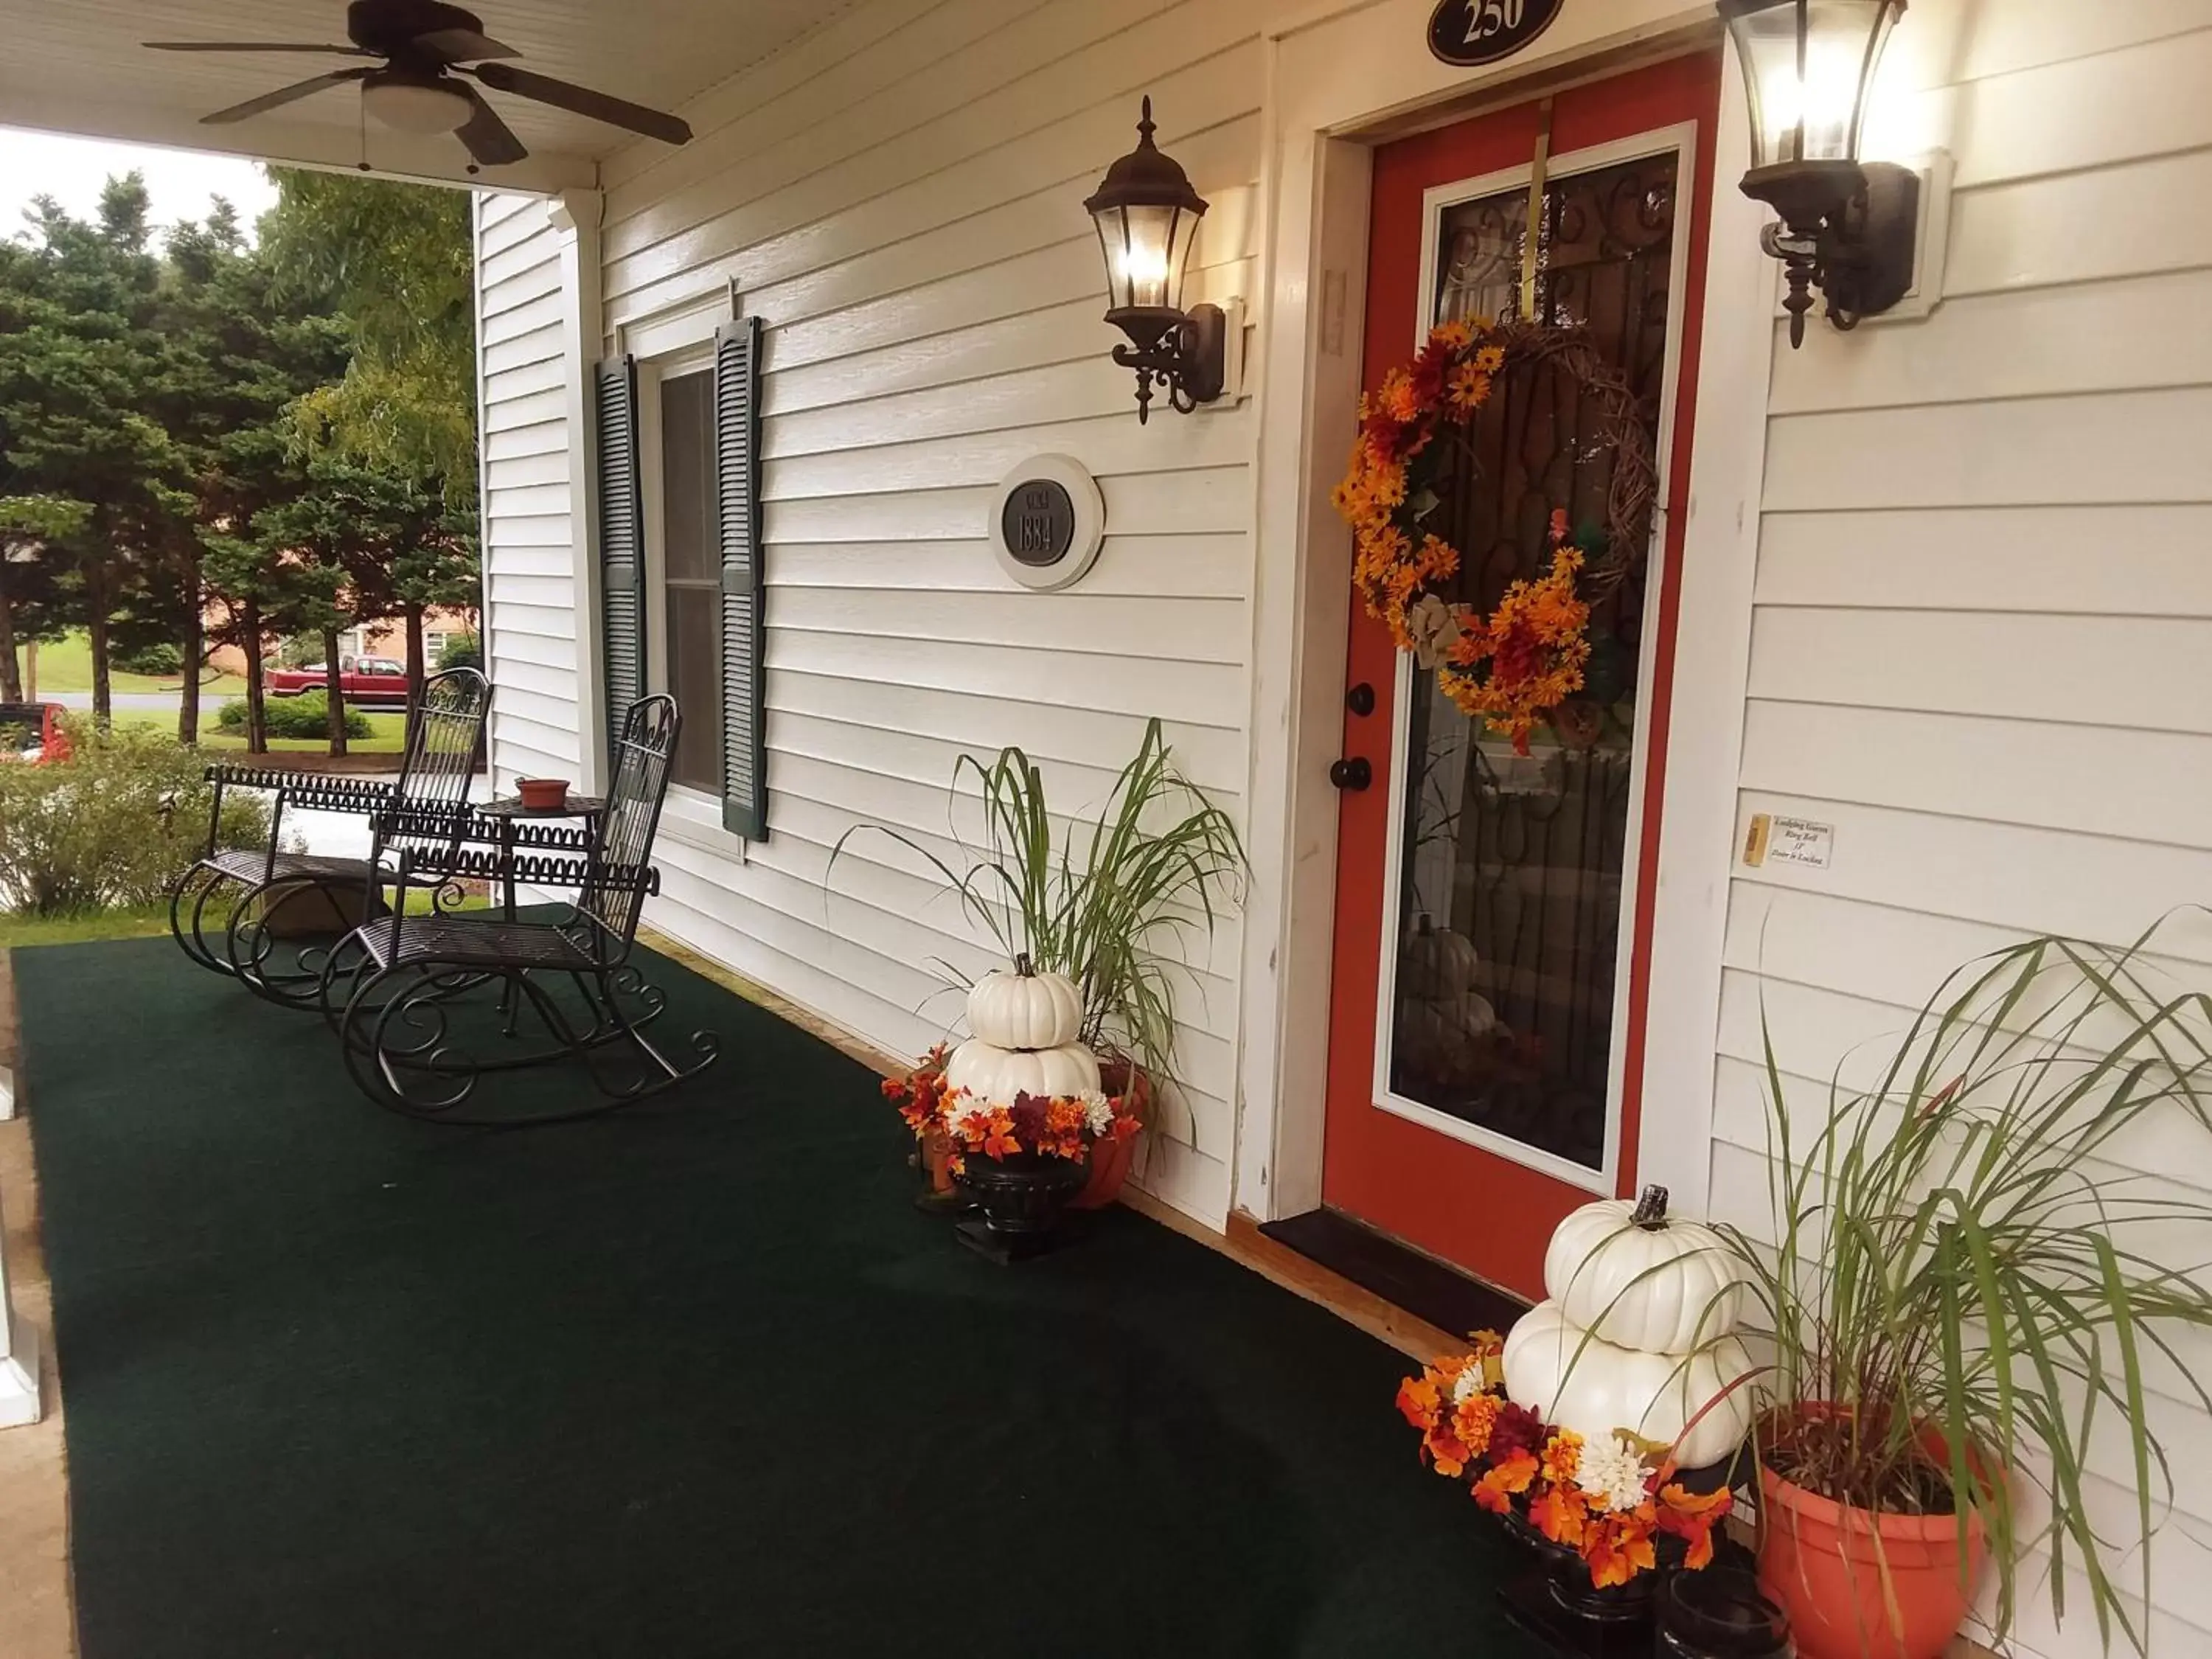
x=1360, y=699
x=1354, y=773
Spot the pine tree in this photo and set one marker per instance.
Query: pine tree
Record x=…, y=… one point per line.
x=241, y=358
x=80, y=347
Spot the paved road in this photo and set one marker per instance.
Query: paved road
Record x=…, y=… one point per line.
x=164, y=700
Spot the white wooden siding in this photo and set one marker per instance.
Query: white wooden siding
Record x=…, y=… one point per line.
x=1984, y=609
x=530, y=454
x=898, y=196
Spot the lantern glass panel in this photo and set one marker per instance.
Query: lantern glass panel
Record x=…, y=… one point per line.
x=1147, y=249
x=1808, y=96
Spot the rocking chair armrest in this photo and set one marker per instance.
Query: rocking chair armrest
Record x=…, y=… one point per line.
x=458, y=824
x=547, y=837
x=550, y=870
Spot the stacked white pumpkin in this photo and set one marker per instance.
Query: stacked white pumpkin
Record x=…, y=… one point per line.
x=1441, y=1016
x=1637, y=1331
x=1026, y=1027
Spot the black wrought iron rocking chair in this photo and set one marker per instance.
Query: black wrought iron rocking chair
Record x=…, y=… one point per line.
x=275, y=911
x=403, y=990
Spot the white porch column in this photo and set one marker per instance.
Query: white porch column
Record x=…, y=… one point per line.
x=18, y=1348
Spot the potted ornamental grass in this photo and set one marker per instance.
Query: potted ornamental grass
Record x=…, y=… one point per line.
x=1965, y=1278
x=1094, y=918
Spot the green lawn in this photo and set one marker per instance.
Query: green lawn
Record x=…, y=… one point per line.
x=65, y=664
x=143, y=922
x=387, y=731
x=15, y=931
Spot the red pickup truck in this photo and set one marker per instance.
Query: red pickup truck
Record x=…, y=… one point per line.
x=365, y=680
x=33, y=732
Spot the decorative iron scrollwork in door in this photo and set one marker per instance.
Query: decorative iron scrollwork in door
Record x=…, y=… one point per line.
x=1512, y=867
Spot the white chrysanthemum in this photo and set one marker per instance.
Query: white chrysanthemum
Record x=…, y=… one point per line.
x=1467, y=1384
x=1097, y=1111
x=1611, y=1474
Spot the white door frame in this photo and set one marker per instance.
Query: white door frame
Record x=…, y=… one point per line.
x=1335, y=75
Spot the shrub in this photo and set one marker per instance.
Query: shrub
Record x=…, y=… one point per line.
x=159, y=658
x=306, y=716
x=113, y=826
x=461, y=651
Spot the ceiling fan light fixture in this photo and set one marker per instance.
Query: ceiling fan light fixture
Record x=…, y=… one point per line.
x=409, y=103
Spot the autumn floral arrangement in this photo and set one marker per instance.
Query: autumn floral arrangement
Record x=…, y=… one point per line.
x=1064, y=1127
x=1516, y=665
x=1611, y=1502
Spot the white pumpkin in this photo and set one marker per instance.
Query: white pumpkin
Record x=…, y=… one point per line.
x=1609, y=1387
x=1024, y=1009
x=1637, y=1276
x=990, y=1072
x=1437, y=963
x=1448, y=1033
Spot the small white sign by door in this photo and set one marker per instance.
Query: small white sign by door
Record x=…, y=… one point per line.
x=1788, y=841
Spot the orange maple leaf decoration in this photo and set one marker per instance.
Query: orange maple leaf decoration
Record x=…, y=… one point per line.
x=1692, y=1517
x=1504, y=1481
x=1560, y=1514
x=1618, y=1546
x=1447, y=1453
x=999, y=1140
x=1418, y=1398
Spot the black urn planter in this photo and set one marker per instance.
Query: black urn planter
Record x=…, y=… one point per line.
x=1018, y=1202
x=1555, y=1601
x=1720, y=1613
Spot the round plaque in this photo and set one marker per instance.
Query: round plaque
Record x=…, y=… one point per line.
x=1048, y=522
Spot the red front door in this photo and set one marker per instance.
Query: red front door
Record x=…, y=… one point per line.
x=1493, y=909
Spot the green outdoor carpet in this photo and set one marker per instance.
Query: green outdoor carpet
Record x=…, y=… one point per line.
x=693, y=1381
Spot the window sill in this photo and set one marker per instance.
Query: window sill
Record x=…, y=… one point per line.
x=694, y=819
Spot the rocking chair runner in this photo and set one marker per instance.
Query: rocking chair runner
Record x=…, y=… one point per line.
x=399, y=988
x=268, y=897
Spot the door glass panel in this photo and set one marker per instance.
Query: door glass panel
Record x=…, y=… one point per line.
x=1512, y=867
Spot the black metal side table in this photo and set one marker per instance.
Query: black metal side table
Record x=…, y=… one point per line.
x=508, y=811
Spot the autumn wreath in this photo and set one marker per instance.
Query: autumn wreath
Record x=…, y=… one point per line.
x=1516, y=664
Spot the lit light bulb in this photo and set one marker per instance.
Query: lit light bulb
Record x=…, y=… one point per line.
x=1824, y=100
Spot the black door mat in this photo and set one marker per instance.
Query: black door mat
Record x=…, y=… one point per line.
x=1421, y=1284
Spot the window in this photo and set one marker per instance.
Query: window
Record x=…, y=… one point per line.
x=690, y=575
x=677, y=549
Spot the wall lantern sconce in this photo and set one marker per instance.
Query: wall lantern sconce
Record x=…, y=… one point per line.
x=1147, y=216
x=1847, y=227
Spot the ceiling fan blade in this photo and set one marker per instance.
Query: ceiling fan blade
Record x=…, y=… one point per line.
x=489, y=139
x=463, y=45
x=250, y=46
x=268, y=100
x=582, y=100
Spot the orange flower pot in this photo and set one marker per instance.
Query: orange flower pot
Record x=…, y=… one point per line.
x=1862, y=1584
x=1110, y=1159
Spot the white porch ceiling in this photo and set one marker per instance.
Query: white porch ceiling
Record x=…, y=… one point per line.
x=78, y=66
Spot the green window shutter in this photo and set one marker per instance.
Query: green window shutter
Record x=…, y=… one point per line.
x=622, y=540
x=737, y=471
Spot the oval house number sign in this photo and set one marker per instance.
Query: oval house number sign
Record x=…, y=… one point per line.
x=1471, y=32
